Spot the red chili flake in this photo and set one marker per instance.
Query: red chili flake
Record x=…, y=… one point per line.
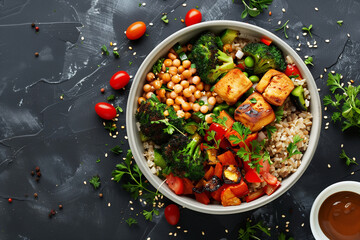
x=60, y=206
x=270, y=13
x=38, y=174
x=10, y=200
x=35, y=195
x=37, y=28
x=102, y=90
x=33, y=25
x=37, y=169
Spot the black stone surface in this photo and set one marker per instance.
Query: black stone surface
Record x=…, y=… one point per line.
x=65, y=137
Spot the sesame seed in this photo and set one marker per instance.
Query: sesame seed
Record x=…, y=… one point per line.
x=299, y=45
x=329, y=166
x=279, y=22
x=110, y=134
x=144, y=4
x=109, y=204
x=287, y=222
x=227, y=231
x=310, y=46
x=325, y=117
x=283, y=10
x=283, y=216
x=321, y=76
x=132, y=209
x=61, y=97
x=286, y=225
x=122, y=127
x=314, y=42
x=298, y=49
x=326, y=127
x=170, y=233
x=85, y=182
x=115, y=48
x=126, y=137
x=348, y=35
x=148, y=238
x=287, y=230
x=178, y=227
x=327, y=124
x=316, y=9
x=325, y=108
x=277, y=227
x=304, y=34
x=82, y=38
x=333, y=72
x=175, y=234
x=184, y=5
x=131, y=76
x=308, y=43
x=306, y=56
x=131, y=202
x=114, y=44
x=144, y=202
x=318, y=89
x=325, y=70
x=106, y=154
x=114, y=136
x=354, y=158
x=125, y=32
x=297, y=37
x=134, y=53
x=352, y=173
x=151, y=24
x=315, y=46
x=327, y=40
x=287, y=26
x=130, y=48
x=202, y=233
x=303, y=224
x=342, y=145
x=185, y=231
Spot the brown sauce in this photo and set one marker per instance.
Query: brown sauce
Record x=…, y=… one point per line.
x=339, y=216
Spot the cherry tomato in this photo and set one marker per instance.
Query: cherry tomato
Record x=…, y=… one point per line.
x=175, y=183
x=172, y=214
x=105, y=110
x=135, y=30
x=292, y=70
x=119, y=80
x=192, y=17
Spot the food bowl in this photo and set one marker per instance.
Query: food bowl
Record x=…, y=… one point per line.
x=183, y=36
x=350, y=186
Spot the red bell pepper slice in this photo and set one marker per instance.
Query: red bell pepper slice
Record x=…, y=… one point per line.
x=227, y=158
x=218, y=170
x=269, y=178
x=241, y=64
x=188, y=186
x=216, y=195
x=254, y=195
x=202, y=198
x=175, y=183
x=248, y=140
x=265, y=166
x=292, y=70
x=225, y=144
x=240, y=189
x=209, y=173
x=266, y=41
x=252, y=176
x=271, y=189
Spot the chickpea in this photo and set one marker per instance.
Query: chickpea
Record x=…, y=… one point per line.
x=176, y=107
x=186, y=63
x=176, y=79
x=169, y=102
x=181, y=69
x=170, y=85
x=208, y=118
x=200, y=86
x=178, y=88
x=219, y=99
x=187, y=74
x=168, y=62
x=173, y=70
x=161, y=93
x=163, y=68
x=196, y=107
x=197, y=94
x=186, y=106
x=147, y=88
x=227, y=48
x=187, y=115
x=157, y=84
x=179, y=100
x=196, y=80
x=166, y=77
x=207, y=87
x=191, y=98
x=166, y=113
x=182, y=77
x=193, y=71
x=149, y=94
x=150, y=76
x=176, y=62
x=192, y=88
x=172, y=56
x=180, y=113
x=167, y=95
x=173, y=95
x=204, y=109
x=184, y=84
x=212, y=101
x=141, y=99
x=208, y=94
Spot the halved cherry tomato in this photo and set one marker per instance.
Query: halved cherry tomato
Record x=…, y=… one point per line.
x=218, y=170
x=172, y=214
x=227, y=158
x=119, y=80
x=266, y=41
x=269, y=178
x=254, y=195
x=202, y=198
x=271, y=189
x=188, y=186
x=135, y=30
x=105, y=110
x=209, y=173
x=292, y=70
x=175, y=183
x=252, y=176
x=192, y=17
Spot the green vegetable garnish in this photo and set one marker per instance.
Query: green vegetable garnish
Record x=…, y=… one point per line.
x=104, y=50
x=254, y=7
x=283, y=27
x=348, y=160
x=95, y=181
x=250, y=231
x=309, y=61
x=308, y=29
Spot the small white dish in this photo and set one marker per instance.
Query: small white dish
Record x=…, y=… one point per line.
x=350, y=186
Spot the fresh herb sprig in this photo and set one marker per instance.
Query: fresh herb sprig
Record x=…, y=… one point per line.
x=251, y=231
x=254, y=7
x=130, y=221
x=111, y=97
x=292, y=149
x=165, y=19
x=279, y=113
x=347, y=159
x=110, y=126
x=282, y=236
x=170, y=128
x=105, y=50
x=137, y=181
x=270, y=130
x=149, y=214
x=211, y=136
x=221, y=121
x=95, y=181
x=117, y=150
x=347, y=104
x=283, y=27
x=340, y=22
x=309, y=61
x=119, y=109
x=308, y=29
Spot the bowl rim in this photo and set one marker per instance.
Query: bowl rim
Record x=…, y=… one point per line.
x=219, y=209
x=351, y=186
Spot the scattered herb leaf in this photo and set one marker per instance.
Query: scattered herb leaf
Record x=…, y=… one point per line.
x=130, y=221
x=117, y=150
x=111, y=126
x=116, y=53
x=119, y=109
x=166, y=89
x=111, y=97
x=254, y=7
x=308, y=29
x=309, y=61
x=221, y=121
x=251, y=231
x=283, y=27
x=294, y=76
x=170, y=128
x=130, y=62
x=270, y=130
x=98, y=160
x=282, y=236
x=279, y=113
x=165, y=19
x=340, y=22
x=349, y=161
x=104, y=50
x=149, y=214
x=211, y=137
x=292, y=149
x=95, y=181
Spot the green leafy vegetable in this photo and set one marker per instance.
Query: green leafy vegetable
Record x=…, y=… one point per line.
x=270, y=130
x=117, y=150
x=292, y=149
x=95, y=181
x=130, y=221
x=254, y=7
x=221, y=121
x=294, y=76
x=340, y=22
x=111, y=126
x=165, y=19
x=211, y=137
x=170, y=127
x=130, y=63
x=149, y=214
x=119, y=109
x=309, y=61
x=98, y=160
x=251, y=231
x=111, y=97
x=283, y=27
x=116, y=53
x=347, y=104
x=279, y=113
x=158, y=65
x=308, y=29
x=348, y=160
x=104, y=50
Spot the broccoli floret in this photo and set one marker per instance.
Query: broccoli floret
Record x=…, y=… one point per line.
x=209, y=60
x=176, y=143
x=153, y=110
x=158, y=65
x=186, y=161
x=265, y=57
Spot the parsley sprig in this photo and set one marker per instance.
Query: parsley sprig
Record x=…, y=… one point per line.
x=309, y=61
x=251, y=231
x=117, y=150
x=130, y=221
x=221, y=121
x=149, y=214
x=292, y=149
x=257, y=151
x=254, y=7
x=95, y=181
x=347, y=159
x=282, y=236
x=347, y=104
x=211, y=137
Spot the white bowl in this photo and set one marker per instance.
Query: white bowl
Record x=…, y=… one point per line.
x=349, y=186
x=183, y=36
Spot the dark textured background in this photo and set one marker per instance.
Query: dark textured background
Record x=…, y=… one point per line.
x=65, y=137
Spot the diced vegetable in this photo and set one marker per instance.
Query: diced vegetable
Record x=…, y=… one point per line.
x=240, y=189
x=216, y=195
x=228, y=198
x=177, y=47
x=231, y=174
x=211, y=154
x=209, y=173
x=252, y=176
x=202, y=198
x=227, y=158
x=266, y=41
x=254, y=195
x=188, y=186
x=183, y=56
x=239, y=54
x=269, y=178
x=191, y=127
x=293, y=71
x=297, y=96
x=159, y=159
x=228, y=36
x=213, y=184
x=175, y=183
x=271, y=189
x=218, y=170
x=229, y=120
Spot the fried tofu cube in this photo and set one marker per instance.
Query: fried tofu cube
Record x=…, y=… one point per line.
x=275, y=86
x=232, y=86
x=255, y=113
